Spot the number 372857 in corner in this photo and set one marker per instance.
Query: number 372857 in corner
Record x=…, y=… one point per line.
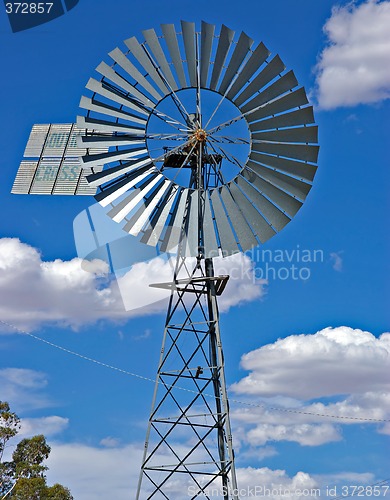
x=28, y=8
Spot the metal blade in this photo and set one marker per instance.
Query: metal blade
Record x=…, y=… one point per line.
x=292, y=100
x=261, y=227
x=105, y=109
x=226, y=236
x=140, y=54
x=302, y=116
x=114, y=192
x=239, y=54
x=115, y=96
x=282, y=181
x=283, y=200
x=119, y=212
x=192, y=230
x=257, y=58
x=271, y=71
x=188, y=30
x=120, y=58
x=244, y=233
x=173, y=47
x=105, y=70
x=106, y=126
x=174, y=232
x=282, y=85
x=155, y=47
x=296, y=151
x=299, y=169
x=112, y=173
x=273, y=214
x=103, y=158
x=153, y=231
x=297, y=134
x=207, y=37
x=104, y=141
x=225, y=39
x=209, y=236
x=137, y=222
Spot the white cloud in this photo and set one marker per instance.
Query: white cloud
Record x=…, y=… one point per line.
x=94, y=473
x=49, y=426
x=337, y=261
x=339, y=360
x=34, y=292
x=304, y=434
x=354, y=67
x=351, y=364
x=22, y=388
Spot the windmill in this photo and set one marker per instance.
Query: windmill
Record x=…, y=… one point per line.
x=209, y=149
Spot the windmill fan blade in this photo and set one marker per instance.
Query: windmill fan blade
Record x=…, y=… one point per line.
x=293, y=186
x=175, y=230
x=296, y=151
x=192, y=228
x=173, y=47
x=301, y=170
x=283, y=200
x=105, y=109
x=106, y=126
x=210, y=143
x=155, y=47
x=244, y=233
x=139, y=219
x=105, y=70
x=107, y=141
x=271, y=71
x=274, y=215
x=205, y=53
x=90, y=160
x=257, y=58
x=140, y=54
x=291, y=100
x=210, y=239
x=282, y=85
x=119, y=57
x=188, y=30
x=226, y=236
x=119, y=212
x=302, y=116
x=157, y=223
x=296, y=134
x=240, y=52
x=112, y=173
x=261, y=227
x=225, y=40
x=115, y=95
x=112, y=193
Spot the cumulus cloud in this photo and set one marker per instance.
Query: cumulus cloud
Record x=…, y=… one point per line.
x=94, y=473
x=354, y=66
x=340, y=361
x=70, y=293
x=344, y=363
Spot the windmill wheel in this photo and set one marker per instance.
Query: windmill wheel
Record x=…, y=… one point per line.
x=199, y=124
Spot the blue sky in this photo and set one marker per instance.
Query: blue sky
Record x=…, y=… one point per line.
x=95, y=417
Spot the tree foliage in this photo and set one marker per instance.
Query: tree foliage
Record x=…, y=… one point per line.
x=23, y=478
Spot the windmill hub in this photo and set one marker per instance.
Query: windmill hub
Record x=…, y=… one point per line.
x=200, y=135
